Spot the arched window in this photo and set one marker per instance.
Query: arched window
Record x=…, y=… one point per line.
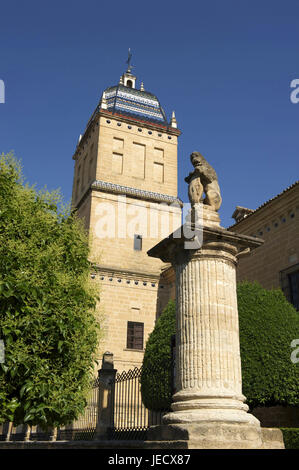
x=129, y=83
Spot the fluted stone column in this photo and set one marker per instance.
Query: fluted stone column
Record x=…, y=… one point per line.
x=208, y=406
x=209, y=383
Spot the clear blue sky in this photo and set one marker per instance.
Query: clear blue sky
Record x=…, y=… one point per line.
x=225, y=67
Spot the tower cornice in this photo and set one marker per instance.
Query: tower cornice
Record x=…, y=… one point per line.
x=104, y=186
x=99, y=112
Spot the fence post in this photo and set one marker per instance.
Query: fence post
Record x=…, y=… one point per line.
x=53, y=436
x=27, y=432
x=8, y=426
x=106, y=384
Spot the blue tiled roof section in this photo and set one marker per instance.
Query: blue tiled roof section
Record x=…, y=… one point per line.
x=119, y=189
x=136, y=103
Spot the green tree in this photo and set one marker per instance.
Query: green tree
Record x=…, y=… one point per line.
x=156, y=376
x=47, y=305
x=268, y=324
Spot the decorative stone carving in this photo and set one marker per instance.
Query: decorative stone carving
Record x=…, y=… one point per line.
x=203, y=180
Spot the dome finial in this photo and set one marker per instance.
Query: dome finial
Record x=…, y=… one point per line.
x=128, y=79
x=130, y=66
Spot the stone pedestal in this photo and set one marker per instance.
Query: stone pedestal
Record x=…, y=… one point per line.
x=201, y=214
x=106, y=378
x=208, y=407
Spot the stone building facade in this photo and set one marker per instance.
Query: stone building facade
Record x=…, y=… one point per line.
x=276, y=262
x=125, y=189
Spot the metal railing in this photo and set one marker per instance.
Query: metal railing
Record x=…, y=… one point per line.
x=129, y=416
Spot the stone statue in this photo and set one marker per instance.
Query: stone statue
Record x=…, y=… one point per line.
x=203, y=180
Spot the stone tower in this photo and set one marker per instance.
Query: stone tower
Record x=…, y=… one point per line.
x=125, y=188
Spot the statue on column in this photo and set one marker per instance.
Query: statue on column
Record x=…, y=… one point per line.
x=208, y=408
x=203, y=180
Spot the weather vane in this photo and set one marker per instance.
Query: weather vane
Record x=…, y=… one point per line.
x=130, y=66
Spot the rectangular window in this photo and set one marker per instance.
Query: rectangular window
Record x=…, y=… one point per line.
x=289, y=281
x=78, y=181
x=137, y=242
x=294, y=288
x=138, y=163
x=83, y=173
x=135, y=335
x=159, y=153
x=90, y=169
x=158, y=172
x=77, y=188
x=117, y=163
x=118, y=144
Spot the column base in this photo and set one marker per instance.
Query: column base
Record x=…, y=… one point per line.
x=211, y=415
x=214, y=435
x=220, y=406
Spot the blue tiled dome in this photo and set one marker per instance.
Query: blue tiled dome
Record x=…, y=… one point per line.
x=135, y=103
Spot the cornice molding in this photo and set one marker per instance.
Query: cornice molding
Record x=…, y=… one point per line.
x=114, y=272
x=99, y=112
x=134, y=192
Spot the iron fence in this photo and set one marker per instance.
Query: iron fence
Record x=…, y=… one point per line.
x=134, y=407
x=130, y=416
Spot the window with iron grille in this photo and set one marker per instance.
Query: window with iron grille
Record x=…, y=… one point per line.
x=289, y=281
x=135, y=335
x=137, y=242
x=294, y=288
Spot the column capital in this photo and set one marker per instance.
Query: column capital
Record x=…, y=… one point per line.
x=190, y=241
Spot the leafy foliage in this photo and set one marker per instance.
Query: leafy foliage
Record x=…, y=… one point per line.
x=47, y=305
x=268, y=324
x=156, y=374
x=291, y=437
